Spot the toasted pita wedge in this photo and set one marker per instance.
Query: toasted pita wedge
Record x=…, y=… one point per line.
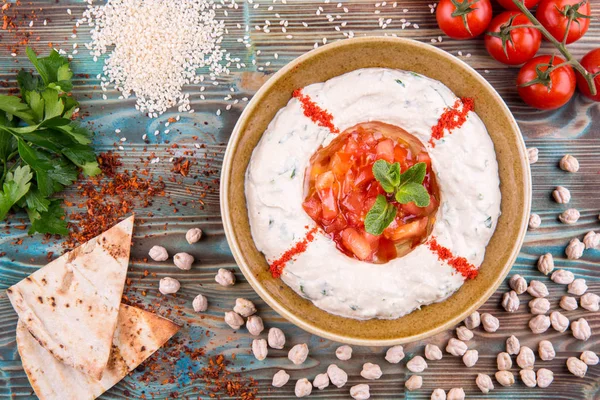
x=71, y=305
x=139, y=333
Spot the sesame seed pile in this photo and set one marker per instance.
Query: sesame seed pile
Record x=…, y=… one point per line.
x=155, y=47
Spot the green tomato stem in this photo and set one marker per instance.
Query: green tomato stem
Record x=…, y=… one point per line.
x=562, y=48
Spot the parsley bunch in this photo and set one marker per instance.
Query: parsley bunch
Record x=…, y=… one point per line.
x=405, y=187
x=41, y=149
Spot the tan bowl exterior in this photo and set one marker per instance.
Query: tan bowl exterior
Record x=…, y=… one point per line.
x=336, y=59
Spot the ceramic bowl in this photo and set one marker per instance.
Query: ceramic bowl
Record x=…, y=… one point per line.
x=336, y=59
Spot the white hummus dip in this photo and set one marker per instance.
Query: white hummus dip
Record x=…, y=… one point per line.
x=463, y=161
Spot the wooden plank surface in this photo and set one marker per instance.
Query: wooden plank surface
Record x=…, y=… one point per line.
x=574, y=129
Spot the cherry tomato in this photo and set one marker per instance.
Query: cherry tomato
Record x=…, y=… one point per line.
x=521, y=43
x=463, y=19
x=591, y=62
x=554, y=15
x=554, y=90
x=509, y=5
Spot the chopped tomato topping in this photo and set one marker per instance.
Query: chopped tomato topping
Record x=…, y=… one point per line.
x=341, y=189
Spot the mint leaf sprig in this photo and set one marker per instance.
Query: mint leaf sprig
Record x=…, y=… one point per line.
x=405, y=187
x=41, y=149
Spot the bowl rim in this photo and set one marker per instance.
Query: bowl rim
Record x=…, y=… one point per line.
x=254, y=282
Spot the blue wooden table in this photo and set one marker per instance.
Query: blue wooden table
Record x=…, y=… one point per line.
x=574, y=129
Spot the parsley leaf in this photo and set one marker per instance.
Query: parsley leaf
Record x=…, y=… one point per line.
x=379, y=216
x=15, y=186
x=41, y=149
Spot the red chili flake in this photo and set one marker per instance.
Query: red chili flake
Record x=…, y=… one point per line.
x=314, y=112
x=299, y=248
x=452, y=118
x=460, y=264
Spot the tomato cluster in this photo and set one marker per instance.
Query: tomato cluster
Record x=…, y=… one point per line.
x=341, y=189
x=513, y=39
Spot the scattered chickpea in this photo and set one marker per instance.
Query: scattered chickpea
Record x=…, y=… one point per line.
x=559, y=322
x=225, y=277
x=433, y=352
x=200, y=303
x=276, y=338
x=590, y=302
x=578, y=287
x=591, y=240
x=569, y=163
x=490, y=323
x=417, y=364
x=343, y=353
x=576, y=366
x=484, y=383
x=510, y=301
x=321, y=381
x=168, y=285
x=544, y=377
x=532, y=154
x=537, y=289
x=371, y=371
x=456, y=347
x=518, y=284
x=574, y=249
x=259, y=349
x=360, y=392
x=298, y=354
x=546, y=350
x=303, y=388
x=539, y=324
x=183, y=261
x=470, y=358
x=280, y=378
x=562, y=277
x=158, y=253
x=438, y=394
x=193, y=235
x=568, y=303
x=513, y=346
x=528, y=377
x=545, y=263
x=581, y=329
x=534, y=221
x=503, y=361
x=244, y=307
x=394, y=354
x=415, y=382
x=473, y=320
x=505, y=378
x=463, y=333
x=589, y=357
x=234, y=320
x=255, y=325
x=526, y=358
x=569, y=216
x=337, y=375
x=561, y=195
x=539, y=306
x=456, y=394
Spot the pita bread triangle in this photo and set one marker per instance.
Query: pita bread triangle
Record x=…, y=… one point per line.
x=139, y=333
x=71, y=305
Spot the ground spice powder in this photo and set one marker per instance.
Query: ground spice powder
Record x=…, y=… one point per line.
x=219, y=380
x=109, y=197
x=451, y=118
x=314, y=112
x=460, y=264
x=277, y=266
